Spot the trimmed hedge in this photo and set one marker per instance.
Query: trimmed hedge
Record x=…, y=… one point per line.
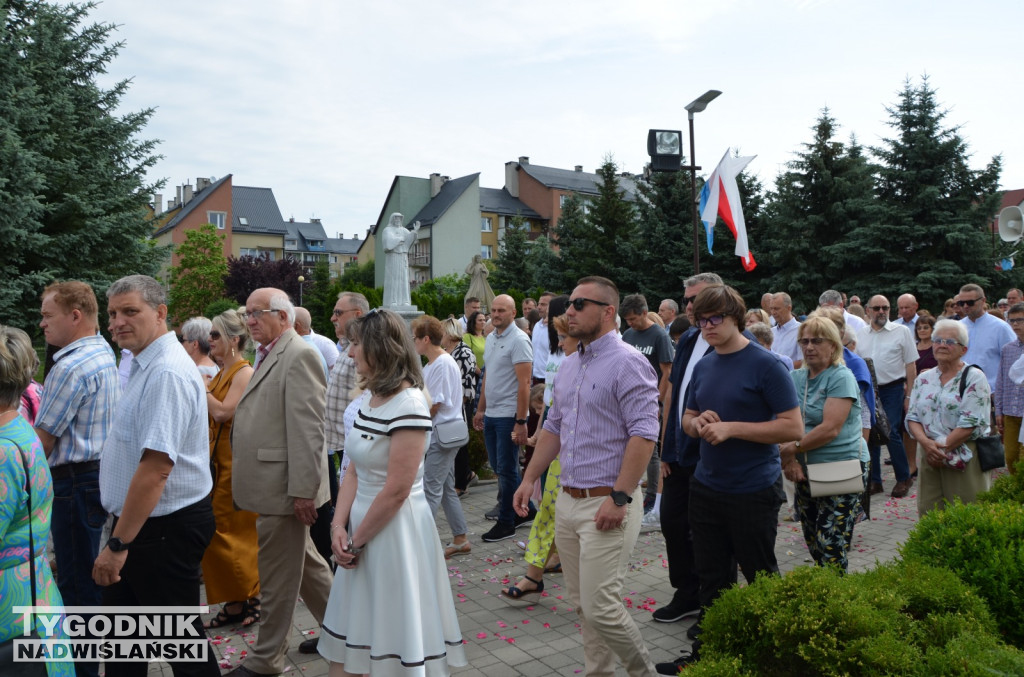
x=983, y=544
x=904, y=618
x=1007, y=488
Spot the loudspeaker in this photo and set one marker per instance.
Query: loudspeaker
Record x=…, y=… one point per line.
x=1011, y=224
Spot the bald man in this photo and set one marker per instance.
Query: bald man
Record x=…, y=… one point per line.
x=906, y=308
x=304, y=328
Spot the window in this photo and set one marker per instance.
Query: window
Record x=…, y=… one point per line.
x=486, y=251
x=243, y=221
x=561, y=201
x=267, y=254
x=219, y=219
x=485, y=224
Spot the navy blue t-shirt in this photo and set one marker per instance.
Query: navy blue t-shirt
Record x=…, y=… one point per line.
x=748, y=385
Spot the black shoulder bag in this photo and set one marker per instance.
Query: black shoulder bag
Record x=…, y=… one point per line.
x=990, y=448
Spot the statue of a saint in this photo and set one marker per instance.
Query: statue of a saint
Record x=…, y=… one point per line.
x=397, y=243
x=478, y=286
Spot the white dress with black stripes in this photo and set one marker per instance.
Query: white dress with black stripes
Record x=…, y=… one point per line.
x=394, y=613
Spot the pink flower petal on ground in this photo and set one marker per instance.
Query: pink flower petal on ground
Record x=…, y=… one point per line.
x=525, y=621
x=547, y=625
x=481, y=635
x=529, y=608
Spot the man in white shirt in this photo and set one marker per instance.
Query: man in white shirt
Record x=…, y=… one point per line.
x=327, y=347
x=894, y=353
x=470, y=305
x=831, y=297
x=785, y=329
x=906, y=306
x=988, y=334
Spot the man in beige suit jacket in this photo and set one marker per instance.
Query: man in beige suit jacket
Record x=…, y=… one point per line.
x=280, y=473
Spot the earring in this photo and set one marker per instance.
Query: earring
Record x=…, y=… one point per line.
x=232, y=352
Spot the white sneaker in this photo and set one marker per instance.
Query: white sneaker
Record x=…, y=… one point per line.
x=650, y=522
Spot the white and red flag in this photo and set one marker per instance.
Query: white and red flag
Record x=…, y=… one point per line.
x=721, y=197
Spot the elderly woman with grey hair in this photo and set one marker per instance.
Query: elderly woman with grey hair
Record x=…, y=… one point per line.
x=195, y=338
x=945, y=419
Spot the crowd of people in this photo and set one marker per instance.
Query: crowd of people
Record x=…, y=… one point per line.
x=317, y=469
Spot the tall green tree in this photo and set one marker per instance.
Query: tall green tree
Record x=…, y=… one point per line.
x=512, y=271
x=613, y=220
x=661, y=252
x=319, y=294
x=198, y=279
x=825, y=193
x=73, y=194
x=545, y=268
x=580, y=251
x=933, y=235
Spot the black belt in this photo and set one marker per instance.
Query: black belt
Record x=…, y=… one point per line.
x=66, y=470
x=892, y=383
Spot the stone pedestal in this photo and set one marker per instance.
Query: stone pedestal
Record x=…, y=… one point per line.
x=407, y=313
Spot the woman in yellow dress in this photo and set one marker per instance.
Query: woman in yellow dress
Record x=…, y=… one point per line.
x=229, y=565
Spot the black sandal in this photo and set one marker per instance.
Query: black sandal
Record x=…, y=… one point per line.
x=517, y=594
x=252, y=612
x=224, y=618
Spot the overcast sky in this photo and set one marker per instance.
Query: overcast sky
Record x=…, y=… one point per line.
x=325, y=102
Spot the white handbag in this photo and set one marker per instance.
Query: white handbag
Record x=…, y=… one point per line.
x=833, y=479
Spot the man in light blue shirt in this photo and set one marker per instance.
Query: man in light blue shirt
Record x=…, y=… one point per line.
x=987, y=333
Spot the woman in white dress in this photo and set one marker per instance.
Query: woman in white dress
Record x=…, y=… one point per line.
x=391, y=610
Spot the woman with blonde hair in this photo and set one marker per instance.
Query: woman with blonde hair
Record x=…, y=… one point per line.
x=391, y=607
x=229, y=563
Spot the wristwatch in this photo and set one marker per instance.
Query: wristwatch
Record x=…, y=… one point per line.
x=621, y=498
x=521, y=421
x=117, y=545
x=797, y=445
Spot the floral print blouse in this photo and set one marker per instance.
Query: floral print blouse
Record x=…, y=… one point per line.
x=939, y=409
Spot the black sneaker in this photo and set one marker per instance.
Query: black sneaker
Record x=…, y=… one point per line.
x=673, y=668
x=492, y=514
x=499, y=532
x=676, y=610
x=526, y=521
x=693, y=632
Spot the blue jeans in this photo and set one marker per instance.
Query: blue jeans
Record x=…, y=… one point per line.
x=891, y=396
x=503, y=455
x=77, y=520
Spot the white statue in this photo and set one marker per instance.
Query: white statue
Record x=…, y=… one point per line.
x=397, y=243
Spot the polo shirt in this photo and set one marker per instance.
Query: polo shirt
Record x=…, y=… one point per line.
x=502, y=351
x=785, y=340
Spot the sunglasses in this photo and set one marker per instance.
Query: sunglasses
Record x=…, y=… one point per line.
x=879, y=309
x=967, y=302
x=816, y=340
x=579, y=303
x=687, y=300
x=946, y=342
x=215, y=335
x=712, y=321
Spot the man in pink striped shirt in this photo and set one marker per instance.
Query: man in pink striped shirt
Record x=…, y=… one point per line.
x=602, y=424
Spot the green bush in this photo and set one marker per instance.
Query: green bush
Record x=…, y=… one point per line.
x=904, y=618
x=983, y=543
x=218, y=307
x=1007, y=488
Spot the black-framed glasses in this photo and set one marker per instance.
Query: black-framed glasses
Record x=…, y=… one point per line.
x=181, y=339
x=338, y=312
x=1016, y=320
x=712, y=321
x=813, y=340
x=879, y=309
x=687, y=300
x=215, y=335
x=946, y=342
x=968, y=303
x=580, y=302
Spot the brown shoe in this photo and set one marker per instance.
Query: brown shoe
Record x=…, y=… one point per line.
x=901, y=488
x=875, y=488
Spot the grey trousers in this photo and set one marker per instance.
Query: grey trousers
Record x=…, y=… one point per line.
x=439, y=485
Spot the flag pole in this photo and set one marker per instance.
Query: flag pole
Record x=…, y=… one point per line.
x=693, y=196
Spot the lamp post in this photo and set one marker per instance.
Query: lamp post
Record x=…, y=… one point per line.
x=696, y=106
x=301, y=280
x=665, y=148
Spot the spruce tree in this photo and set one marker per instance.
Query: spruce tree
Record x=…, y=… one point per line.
x=73, y=193
x=613, y=219
x=581, y=250
x=933, y=236
x=661, y=249
x=513, y=253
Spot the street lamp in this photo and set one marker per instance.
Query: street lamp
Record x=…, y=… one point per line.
x=665, y=149
x=301, y=280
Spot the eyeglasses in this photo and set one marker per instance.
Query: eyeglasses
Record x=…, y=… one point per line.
x=338, y=312
x=946, y=342
x=687, y=300
x=967, y=302
x=181, y=339
x=579, y=303
x=257, y=314
x=815, y=340
x=879, y=309
x=215, y=335
x=1016, y=320
x=712, y=321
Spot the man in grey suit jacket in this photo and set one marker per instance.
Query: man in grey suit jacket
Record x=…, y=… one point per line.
x=280, y=473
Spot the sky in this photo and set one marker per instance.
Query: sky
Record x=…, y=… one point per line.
x=326, y=102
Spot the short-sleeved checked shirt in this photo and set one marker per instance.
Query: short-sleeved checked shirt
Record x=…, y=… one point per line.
x=339, y=394
x=78, y=401
x=163, y=408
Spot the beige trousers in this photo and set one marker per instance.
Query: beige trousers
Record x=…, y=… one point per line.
x=938, y=485
x=594, y=564
x=289, y=566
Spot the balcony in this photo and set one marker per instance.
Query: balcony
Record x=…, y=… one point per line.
x=420, y=260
